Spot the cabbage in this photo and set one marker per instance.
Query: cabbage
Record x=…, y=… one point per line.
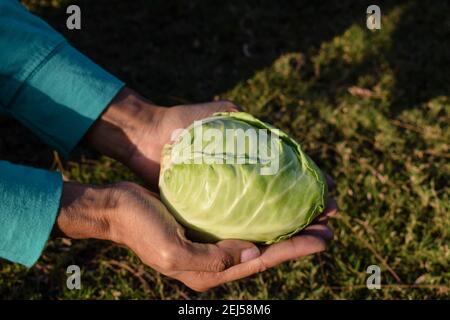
x=222, y=182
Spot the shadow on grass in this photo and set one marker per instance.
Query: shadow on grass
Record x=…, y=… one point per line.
x=420, y=54
x=178, y=51
x=189, y=51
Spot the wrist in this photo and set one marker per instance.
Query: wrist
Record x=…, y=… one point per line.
x=86, y=212
x=127, y=119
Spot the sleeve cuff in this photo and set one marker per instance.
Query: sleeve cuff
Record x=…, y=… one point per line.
x=29, y=203
x=63, y=97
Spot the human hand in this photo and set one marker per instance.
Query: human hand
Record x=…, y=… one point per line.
x=133, y=130
x=133, y=216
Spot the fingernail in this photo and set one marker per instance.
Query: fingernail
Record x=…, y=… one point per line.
x=250, y=254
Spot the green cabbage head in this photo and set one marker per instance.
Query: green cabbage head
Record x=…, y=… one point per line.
x=220, y=185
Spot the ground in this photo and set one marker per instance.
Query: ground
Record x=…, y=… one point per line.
x=370, y=107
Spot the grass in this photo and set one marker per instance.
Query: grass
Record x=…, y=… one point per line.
x=372, y=108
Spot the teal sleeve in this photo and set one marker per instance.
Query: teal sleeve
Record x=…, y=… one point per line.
x=27, y=211
x=58, y=93
x=45, y=83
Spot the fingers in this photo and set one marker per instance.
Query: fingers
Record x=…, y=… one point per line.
x=330, y=181
x=302, y=245
x=228, y=253
x=331, y=209
x=241, y=259
x=273, y=255
x=215, y=257
x=228, y=106
x=222, y=106
x=242, y=251
x=209, y=265
x=320, y=230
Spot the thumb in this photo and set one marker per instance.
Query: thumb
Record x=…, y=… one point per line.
x=242, y=251
x=221, y=255
x=222, y=106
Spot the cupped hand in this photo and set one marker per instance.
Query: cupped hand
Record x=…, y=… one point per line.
x=131, y=215
x=134, y=131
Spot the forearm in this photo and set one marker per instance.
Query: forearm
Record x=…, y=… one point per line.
x=129, y=131
x=114, y=130
x=86, y=212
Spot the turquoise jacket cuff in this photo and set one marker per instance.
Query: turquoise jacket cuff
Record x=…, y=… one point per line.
x=27, y=211
x=58, y=93
x=69, y=91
